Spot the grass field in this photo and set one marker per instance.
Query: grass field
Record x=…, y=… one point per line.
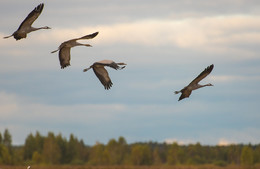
x=131, y=167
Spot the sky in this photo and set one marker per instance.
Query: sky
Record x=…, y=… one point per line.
x=165, y=44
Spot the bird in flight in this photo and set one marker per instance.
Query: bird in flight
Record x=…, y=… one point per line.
x=186, y=91
x=64, y=49
x=26, y=25
x=101, y=72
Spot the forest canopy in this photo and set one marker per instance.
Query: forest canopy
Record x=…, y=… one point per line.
x=56, y=149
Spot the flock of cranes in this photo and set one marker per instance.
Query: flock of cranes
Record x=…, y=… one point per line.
x=98, y=67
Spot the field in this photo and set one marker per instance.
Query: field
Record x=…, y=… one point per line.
x=131, y=167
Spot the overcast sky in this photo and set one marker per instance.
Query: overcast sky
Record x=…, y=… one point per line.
x=165, y=44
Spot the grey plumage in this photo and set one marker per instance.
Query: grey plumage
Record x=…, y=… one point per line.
x=186, y=91
x=64, y=49
x=101, y=72
x=26, y=26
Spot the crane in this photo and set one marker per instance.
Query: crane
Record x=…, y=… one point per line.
x=26, y=26
x=186, y=91
x=101, y=72
x=64, y=49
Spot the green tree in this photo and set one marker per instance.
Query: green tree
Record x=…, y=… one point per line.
x=141, y=154
x=33, y=144
x=157, y=157
x=51, y=151
x=247, y=156
x=7, y=140
x=75, y=150
x=122, y=150
x=111, y=152
x=1, y=139
x=29, y=147
x=39, y=141
x=116, y=151
x=257, y=154
x=172, y=157
x=97, y=155
x=37, y=158
x=63, y=144
x=5, y=157
x=233, y=154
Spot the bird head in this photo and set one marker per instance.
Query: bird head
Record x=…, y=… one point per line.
x=46, y=27
x=84, y=70
x=210, y=84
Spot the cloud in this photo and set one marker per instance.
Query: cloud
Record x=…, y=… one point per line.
x=22, y=110
x=227, y=37
x=221, y=137
x=178, y=141
x=232, y=78
x=204, y=33
x=215, y=34
x=233, y=136
x=224, y=142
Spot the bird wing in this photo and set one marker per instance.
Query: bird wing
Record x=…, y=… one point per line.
x=203, y=74
x=64, y=57
x=113, y=65
x=103, y=76
x=109, y=63
x=32, y=16
x=90, y=36
x=185, y=93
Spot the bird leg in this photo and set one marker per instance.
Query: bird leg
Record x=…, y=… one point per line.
x=121, y=64
x=8, y=36
x=121, y=67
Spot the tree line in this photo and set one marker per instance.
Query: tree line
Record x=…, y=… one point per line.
x=56, y=149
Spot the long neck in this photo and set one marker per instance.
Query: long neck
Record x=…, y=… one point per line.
x=35, y=29
x=87, y=68
x=200, y=86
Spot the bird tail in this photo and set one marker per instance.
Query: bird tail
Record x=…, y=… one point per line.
x=176, y=92
x=8, y=36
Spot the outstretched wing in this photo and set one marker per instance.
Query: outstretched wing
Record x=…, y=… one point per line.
x=113, y=65
x=103, y=76
x=109, y=63
x=28, y=21
x=203, y=74
x=64, y=57
x=90, y=36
